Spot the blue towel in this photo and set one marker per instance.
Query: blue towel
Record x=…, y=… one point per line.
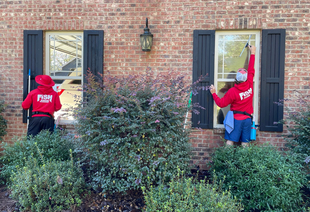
x=229, y=122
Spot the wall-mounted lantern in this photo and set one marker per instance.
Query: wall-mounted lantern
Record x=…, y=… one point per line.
x=146, y=39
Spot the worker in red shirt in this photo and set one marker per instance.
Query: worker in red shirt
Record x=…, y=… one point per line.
x=45, y=101
x=240, y=98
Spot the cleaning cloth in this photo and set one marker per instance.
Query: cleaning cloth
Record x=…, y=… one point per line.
x=229, y=122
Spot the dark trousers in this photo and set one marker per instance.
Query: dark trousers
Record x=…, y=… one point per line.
x=40, y=123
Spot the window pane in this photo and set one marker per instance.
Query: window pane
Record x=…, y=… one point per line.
x=70, y=92
x=65, y=54
x=229, y=50
x=65, y=68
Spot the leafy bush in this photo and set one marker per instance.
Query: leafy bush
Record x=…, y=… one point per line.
x=3, y=122
x=53, y=186
x=129, y=126
x=54, y=146
x=184, y=194
x=298, y=124
x=260, y=176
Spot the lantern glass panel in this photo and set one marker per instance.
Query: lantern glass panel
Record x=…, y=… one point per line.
x=146, y=42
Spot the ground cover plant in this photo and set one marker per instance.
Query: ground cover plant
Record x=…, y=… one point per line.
x=130, y=127
x=53, y=146
x=261, y=177
x=185, y=194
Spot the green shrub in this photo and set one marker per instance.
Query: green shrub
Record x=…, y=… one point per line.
x=129, y=126
x=298, y=124
x=260, y=176
x=54, y=146
x=185, y=194
x=3, y=123
x=53, y=186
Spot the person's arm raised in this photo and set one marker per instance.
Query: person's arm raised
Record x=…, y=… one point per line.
x=251, y=70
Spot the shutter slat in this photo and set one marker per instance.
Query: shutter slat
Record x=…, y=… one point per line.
x=203, y=65
x=275, y=107
x=33, y=60
x=272, y=79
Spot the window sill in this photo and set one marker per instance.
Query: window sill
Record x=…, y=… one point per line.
x=68, y=125
x=65, y=122
x=218, y=130
x=222, y=130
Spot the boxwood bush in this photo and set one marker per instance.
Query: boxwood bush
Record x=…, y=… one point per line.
x=260, y=176
x=187, y=194
x=52, y=186
x=130, y=127
x=53, y=146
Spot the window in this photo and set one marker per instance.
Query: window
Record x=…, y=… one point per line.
x=68, y=56
x=64, y=56
x=216, y=55
x=227, y=60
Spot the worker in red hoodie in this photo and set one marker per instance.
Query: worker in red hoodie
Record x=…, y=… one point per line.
x=240, y=98
x=45, y=101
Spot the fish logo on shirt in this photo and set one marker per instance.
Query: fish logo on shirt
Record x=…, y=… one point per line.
x=44, y=98
x=245, y=94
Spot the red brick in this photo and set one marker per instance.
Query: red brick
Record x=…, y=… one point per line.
x=172, y=24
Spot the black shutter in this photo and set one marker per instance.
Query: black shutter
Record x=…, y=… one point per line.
x=33, y=60
x=203, y=65
x=272, y=79
x=93, y=53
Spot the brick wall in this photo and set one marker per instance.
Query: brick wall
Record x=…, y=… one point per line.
x=171, y=22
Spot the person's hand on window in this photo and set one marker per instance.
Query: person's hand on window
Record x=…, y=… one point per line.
x=252, y=49
x=212, y=89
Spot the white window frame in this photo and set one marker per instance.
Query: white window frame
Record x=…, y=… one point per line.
x=47, y=64
x=256, y=66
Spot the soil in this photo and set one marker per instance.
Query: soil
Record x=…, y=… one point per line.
x=6, y=203
x=96, y=202
x=133, y=201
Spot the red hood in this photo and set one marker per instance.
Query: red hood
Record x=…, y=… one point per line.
x=45, y=89
x=244, y=86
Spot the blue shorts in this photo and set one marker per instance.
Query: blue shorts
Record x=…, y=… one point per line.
x=241, y=132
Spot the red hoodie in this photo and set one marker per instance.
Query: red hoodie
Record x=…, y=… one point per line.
x=43, y=99
x=240, y=97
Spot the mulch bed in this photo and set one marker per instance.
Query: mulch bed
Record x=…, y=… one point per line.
x=96, y=202
x=132, y=201
x=6, y=203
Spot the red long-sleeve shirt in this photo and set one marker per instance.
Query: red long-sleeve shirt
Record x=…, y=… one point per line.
x=240, y=97
x=43, y=99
